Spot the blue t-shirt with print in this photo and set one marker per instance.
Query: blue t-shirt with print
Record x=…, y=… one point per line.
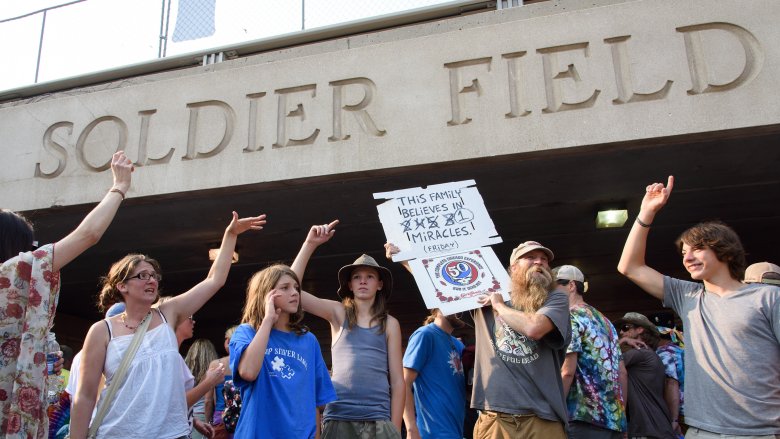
x=440, y=387
x=292, y=382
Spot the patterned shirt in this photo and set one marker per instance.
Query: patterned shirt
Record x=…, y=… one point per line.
x=595, y=394
x=673, y=356
x=28, y=299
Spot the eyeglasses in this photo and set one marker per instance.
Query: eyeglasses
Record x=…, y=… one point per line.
x=145, y=275
x=627, y=327
x=191, y=319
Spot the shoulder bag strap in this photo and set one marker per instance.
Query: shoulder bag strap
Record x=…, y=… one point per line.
x=119, y=376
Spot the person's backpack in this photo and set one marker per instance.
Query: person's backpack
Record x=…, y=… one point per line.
x=232, y=406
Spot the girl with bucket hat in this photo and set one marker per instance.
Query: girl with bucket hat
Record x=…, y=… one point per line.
x=366, y=349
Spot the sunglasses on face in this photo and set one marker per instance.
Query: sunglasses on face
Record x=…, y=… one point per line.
x=627, y=326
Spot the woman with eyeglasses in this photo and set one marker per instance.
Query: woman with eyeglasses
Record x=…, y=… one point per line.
x=29, y=291
x=151, y=402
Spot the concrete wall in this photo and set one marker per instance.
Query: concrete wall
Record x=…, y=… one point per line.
x=541, y=77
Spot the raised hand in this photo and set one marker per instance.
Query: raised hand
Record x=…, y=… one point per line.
x=240, y=225
x=320, y=234
x=656, y=196
x=121, y=168
x=271, y=311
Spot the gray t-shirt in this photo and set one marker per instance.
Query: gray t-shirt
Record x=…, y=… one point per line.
x=517, y=375
x=648, y=415
x=732, y=356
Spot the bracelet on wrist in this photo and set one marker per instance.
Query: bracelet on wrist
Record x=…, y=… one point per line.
x=119, y=191
x=643, y=224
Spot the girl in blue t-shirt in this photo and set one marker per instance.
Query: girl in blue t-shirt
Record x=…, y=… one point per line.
x=276, y=362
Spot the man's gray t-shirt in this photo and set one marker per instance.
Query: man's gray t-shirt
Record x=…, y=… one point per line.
x=732, y=356
x=648, y=415
x=517, y=375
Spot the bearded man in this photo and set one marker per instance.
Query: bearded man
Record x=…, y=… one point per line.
x=520, y=348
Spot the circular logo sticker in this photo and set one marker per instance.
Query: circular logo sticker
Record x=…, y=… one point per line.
x=459, y=272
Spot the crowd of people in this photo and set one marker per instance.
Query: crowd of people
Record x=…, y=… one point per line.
x=546, y=364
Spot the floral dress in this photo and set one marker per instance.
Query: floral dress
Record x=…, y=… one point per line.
x=28, y=298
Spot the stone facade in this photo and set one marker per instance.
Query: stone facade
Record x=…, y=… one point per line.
x=542, y=77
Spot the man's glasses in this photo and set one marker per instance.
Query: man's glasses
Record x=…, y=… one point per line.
x=145, y=275
x=627, y=326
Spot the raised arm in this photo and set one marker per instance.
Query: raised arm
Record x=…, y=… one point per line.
x=329, y=310
x=188, y=303
x=396, y=369
x=252, y=358
x=92, y=227
x=632, y=261
x=90, y=373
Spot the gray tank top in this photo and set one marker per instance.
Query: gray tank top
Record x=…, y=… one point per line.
x=360, y=376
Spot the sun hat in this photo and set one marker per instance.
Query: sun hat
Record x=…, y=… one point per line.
x=637, y=319
x=364, y=261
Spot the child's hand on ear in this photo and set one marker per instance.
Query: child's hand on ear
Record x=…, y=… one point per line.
x=271, y=311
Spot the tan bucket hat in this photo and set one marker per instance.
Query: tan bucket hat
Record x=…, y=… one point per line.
x=365, y=261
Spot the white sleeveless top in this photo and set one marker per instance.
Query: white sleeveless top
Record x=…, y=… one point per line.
x=151, y=403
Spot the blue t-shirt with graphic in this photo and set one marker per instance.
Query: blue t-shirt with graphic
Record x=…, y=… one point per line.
x=292, y=382
x=595, y=395
x=440, y=387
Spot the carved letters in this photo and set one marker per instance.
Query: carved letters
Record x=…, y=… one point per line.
x=564, y=75
x=465, y=77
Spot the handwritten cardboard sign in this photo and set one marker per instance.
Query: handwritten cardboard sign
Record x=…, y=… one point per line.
x=444, y=232
x=438, y=220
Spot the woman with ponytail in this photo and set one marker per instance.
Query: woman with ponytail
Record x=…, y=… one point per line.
x=151, y=402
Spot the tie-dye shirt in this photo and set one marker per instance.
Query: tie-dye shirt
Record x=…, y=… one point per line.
x=673, y=356
x=595, y=395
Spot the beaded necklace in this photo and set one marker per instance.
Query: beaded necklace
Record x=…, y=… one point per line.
x=133, y=328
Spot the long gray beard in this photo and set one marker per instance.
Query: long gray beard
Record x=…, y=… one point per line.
x=530, y=290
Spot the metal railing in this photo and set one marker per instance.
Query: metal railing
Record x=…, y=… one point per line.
x=84, y=36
